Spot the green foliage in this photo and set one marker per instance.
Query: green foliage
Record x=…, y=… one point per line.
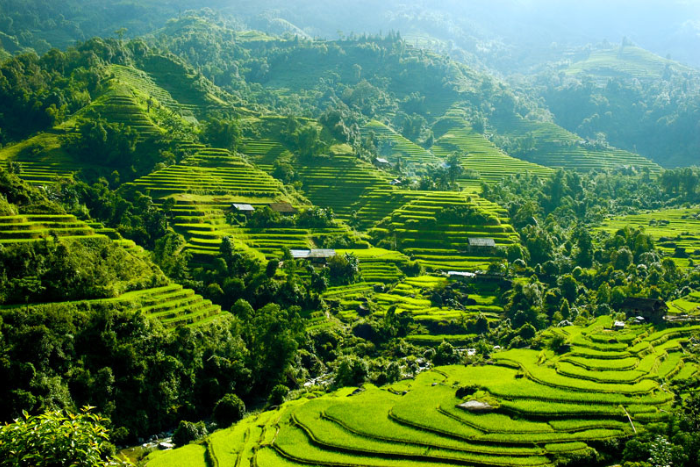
x=343, y=269
x=186, y=432
x=351, y=371
x=278, y=394
x=57, y=438
x=228, y=410
x=50, y=271
x=222, y=133
x=103, y=143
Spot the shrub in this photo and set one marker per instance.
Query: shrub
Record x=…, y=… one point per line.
x=352, y=371
x=278, y=394
x=228, y=410
x=55, y=438
x=186, y=432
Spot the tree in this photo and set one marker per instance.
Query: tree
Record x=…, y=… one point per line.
x=352, y=371
x=343, y=268
x=57, y=438
x=222, y=133
x=278, y=394
x=186, y=432
x=228, y=410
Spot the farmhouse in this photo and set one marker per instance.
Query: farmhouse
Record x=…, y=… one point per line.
x=651, y=309
x=285, y=209
x=380, y=161
x=242, y=208
x=315, y=256
x=482, y=245
x=460, y=275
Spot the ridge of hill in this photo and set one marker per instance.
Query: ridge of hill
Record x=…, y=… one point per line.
x=626, y=61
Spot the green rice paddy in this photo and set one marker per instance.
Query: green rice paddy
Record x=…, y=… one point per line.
x=536, y=415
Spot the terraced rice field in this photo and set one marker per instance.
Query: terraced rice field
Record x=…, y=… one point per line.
x=212, y=171
x=120, y=106
x=180, y=82
x=411, y=295
x=627, y=62
x=377, y=203
x=142, y=81
x=478, y=156
x=417, y=230
x=172, y=305
x=535, y=414
x=557, y=147
x=339, y=182
x=264, y=152
x=41, y=158
x=676, y=231
x=394, y=146
x=34, y=227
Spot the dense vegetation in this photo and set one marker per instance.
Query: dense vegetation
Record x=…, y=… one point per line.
x=209, y=222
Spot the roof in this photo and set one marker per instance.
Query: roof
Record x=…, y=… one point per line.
x=243, y=207
x=322, y=253
x=462, y=274
x=381, y=160
x=485, y=242
x=305, y=254
x=283, y=208
x=300, y=254
x=619, y=324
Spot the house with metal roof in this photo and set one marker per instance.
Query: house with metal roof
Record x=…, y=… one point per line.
x=482, y=245
x=239, y=207
x=315, y=256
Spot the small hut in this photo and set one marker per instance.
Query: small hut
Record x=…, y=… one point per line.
x=242, y=208
x=482, y=245
x=284, y=209
x=315, y=256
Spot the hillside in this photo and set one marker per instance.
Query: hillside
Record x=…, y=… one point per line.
x=626, y=61
x=612, y=96
x=530, y=408
x=278, y=250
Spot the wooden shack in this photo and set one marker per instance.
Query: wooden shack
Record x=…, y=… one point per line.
x=482, y=246
x=284, y=209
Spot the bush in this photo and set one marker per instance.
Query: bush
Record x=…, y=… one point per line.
x=228, y=410
x=278, y=394
x=55, y=438
x=186, y=432
x=352, y=371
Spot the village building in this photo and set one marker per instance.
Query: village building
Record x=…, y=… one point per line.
x=460, y=275
x=284, y=209
x=651, y=309
x=482, y=245
x=242, y=208
x=314, y=256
